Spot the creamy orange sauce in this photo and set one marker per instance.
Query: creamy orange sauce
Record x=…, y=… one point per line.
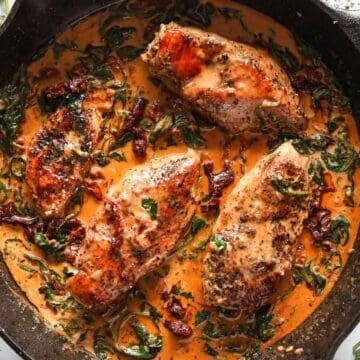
x=292, y=311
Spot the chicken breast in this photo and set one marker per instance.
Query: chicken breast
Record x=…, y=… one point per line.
x=239, y=87
x=140, y=223
x=59, y=158
x=254, y=236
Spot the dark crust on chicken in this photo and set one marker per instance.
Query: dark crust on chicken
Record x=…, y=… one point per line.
x=259, y=226
x=123, y=242
x=59, y=159
x=238, y=86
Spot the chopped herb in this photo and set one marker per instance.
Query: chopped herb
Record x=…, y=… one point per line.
x=340, y=230
x=150, y=205
x=284, y=187
x=202, y=316
x=220, y=245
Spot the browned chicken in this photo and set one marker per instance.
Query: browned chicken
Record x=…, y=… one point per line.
x=59, y=158
x=238, y=86
x=140, y=223
x=254, y=236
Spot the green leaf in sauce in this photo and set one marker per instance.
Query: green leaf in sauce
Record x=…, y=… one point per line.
x=161, y=127
x=177, y=290
x=12, y=105
x=311, y=276
x=284, y=187
x=60, y=48
x=150, y=205
x=149, y=346
x=17, y=167
x=340, y=230
x=129, y=52
x=117, y=35
x=196, y=225
x=210, y=350
x=316, y=172
x=202, y=316
x=263, y=328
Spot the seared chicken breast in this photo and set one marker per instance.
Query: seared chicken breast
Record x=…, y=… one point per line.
x=239, y=87
x=254, y=236
x=59, y=158
x=140, y=223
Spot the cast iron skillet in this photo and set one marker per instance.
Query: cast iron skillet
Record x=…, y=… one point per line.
x=336, y=34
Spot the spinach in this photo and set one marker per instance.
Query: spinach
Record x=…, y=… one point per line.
x=340, y=230
x=103, y=74
x=116, y=35
x=316, y=172
x=202, y=316
x=153, y=314
x=53, y=289
x=150, y=205
x=311, y=277
x=17, y=167
x=161, y=126
x=209, y=350
x=120, y=157
x=307, y=51
x=219, y=243
x=284, y=187
x=101, y=159
x=4, y=191
x=149, y=345
x=129, y=52
x=263, y=328
x=342, y=159
x=189, y=130
x=196, y=225
x=330, y=265
x=12, y=107
x=176, y=290
x=303, y=145
x=101, y=347
x=233, y=14
x=59, y=48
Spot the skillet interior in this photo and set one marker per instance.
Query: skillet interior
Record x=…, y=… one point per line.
x=322, y=332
